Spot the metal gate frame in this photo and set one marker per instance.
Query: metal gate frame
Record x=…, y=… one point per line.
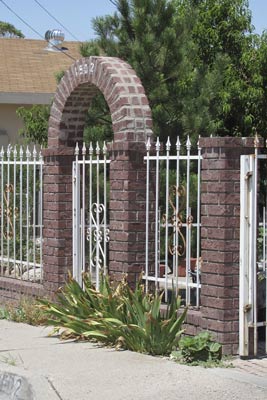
x=173, y=220
x=90, y=214
x=248, y=274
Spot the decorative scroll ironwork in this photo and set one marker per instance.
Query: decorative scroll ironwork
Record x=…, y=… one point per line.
x=177, y=241
x=98, y=234
x=9, y=212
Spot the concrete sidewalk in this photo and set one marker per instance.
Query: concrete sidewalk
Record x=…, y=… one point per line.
x=35, y=366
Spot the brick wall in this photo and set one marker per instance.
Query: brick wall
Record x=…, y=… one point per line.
x=220, y=213
x=13, y=290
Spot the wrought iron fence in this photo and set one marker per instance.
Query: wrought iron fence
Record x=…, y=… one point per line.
x=173, y=209
x=21, y=185
x=90, y=212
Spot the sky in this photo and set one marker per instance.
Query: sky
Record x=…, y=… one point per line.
x=76, y=16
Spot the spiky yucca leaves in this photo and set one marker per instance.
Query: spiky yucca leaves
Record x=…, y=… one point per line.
x=119, y=316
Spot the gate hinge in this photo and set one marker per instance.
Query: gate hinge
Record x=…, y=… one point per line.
x=247, y=308
x=248, y=175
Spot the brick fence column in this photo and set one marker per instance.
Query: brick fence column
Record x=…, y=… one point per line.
x=127, y=210
x=57, y=219
x=220, y=211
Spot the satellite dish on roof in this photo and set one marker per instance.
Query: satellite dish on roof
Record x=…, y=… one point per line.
x=55, y=38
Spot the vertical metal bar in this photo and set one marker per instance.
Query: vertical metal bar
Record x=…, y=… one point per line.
x=198, y=225
x=28, y=154
x=78, y=217
x=14, y=210
x=91, y=150
x=105, y=209
x=245, y=288
x=188, y=224
x=74, y=220
x=148, y=146
x=76, y=244
x=157, y=234
x=34, y=153
x=250, y=243
x=254, y=265
x=177, y=222
x=21, y=210
x=2, y=153
x=83, y=209
x=98, y=261
x=168, y=146
x=8, y=208
x=41, y=212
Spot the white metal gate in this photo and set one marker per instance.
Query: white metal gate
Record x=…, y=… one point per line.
x=253, y=257
x=173, y=259
x=90, y=216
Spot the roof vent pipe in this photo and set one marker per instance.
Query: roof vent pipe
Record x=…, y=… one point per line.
x=55, y=39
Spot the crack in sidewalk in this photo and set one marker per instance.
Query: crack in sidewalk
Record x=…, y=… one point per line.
x=54, y=388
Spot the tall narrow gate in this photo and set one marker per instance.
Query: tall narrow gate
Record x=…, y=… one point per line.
x=173, y=260
x=90, y=216
x=253, y=255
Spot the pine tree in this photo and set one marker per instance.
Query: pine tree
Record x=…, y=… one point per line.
x=153, y=38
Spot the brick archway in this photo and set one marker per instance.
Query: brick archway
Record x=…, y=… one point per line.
x=132, y=123
x=124, y=94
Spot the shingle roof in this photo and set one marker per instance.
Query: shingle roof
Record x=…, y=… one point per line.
x=25, y=66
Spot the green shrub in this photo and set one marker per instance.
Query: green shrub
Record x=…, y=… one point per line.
x=197, y=349
x=117, y=316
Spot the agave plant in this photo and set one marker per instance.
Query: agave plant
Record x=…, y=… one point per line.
x=119, y=316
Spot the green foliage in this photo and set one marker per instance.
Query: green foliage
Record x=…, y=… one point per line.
x=35, y=121
x=229, y=56
x=117, y=316
x=197, y=349
x=151, y=37
x=98, y=126
x=202, y=67
x=59, y=75
x=90, y=48
x=9, y=30
x=221, y=27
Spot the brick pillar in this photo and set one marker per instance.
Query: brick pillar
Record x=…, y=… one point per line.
x=57, y=219
x=127, y=210
x=220, y=211
x=132, y=122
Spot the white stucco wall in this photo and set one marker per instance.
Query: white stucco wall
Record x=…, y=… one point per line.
x=10, y=123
